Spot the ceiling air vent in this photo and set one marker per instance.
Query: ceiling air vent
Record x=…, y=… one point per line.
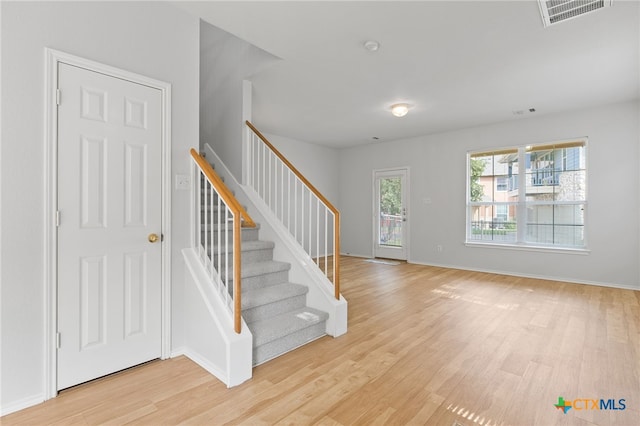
x=555, y=11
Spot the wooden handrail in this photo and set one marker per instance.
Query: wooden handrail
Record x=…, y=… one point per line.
x=327, y=203
x=223, y=189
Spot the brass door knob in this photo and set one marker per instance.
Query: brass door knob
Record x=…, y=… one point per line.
x=153, y=238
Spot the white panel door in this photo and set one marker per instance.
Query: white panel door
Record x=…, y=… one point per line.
x=391, y=225
x=109, y=199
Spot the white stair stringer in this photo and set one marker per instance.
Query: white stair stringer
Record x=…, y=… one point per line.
x=210, y=339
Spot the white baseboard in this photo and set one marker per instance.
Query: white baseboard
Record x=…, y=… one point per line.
x=202, y=362
x=178, y=352
x=364, y=256
x=534, y=276
x=21, y=404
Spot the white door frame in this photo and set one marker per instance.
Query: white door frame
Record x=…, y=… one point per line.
x=50, y=309
x=407, y=224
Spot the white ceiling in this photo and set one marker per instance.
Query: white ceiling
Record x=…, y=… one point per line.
x=458, y=63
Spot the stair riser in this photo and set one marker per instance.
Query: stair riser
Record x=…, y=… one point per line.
x=247, y=234
x=264, y=280
x=287, y=343
x=247, y=257
x=275, y=308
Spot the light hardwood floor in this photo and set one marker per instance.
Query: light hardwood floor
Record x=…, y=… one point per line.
x=425, y=345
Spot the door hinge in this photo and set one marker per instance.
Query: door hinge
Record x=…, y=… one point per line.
x=58, y=340
x=57, y=217
x=58, y=96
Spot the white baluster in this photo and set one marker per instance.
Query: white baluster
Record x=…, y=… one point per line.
x=326, y=242
x=318, y=230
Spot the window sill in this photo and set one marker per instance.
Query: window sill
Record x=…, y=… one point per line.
x=523, y=247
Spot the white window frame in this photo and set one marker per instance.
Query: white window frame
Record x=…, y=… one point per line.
x=521, y=205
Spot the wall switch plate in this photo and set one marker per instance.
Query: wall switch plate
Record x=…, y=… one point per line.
x=183, y=182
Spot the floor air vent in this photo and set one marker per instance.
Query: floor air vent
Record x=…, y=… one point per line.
x=555, y=11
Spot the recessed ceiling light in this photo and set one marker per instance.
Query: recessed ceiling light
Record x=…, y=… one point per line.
x=371, y=45
x=399, y=110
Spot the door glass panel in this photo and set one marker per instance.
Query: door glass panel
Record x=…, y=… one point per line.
x=390, y=220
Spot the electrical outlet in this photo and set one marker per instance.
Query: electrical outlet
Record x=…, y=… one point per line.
x=439, y=248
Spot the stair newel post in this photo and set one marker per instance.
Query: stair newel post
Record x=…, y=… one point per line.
x=237, y=285
x=336, y=255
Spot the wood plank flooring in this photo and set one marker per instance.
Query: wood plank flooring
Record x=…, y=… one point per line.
x=425, y=345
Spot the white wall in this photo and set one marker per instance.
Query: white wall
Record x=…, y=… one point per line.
x=319, y=164
x=225, y=62
x=149, y=38
x=438, y=172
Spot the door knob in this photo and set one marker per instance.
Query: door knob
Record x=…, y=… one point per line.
x=153, y=238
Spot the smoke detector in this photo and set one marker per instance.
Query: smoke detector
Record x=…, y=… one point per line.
x=556, y=11
x=371, y=45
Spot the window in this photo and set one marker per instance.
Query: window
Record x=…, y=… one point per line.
x=529, y=195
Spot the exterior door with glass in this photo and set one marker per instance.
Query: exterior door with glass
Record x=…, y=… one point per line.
x=391, y=213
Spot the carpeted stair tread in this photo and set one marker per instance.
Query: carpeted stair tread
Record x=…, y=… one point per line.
x=270, y=329
x=271, y=294
x=265, y=267
x=255, y=269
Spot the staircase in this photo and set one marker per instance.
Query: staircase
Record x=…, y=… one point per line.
x=228, y=333
x=274, y=309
